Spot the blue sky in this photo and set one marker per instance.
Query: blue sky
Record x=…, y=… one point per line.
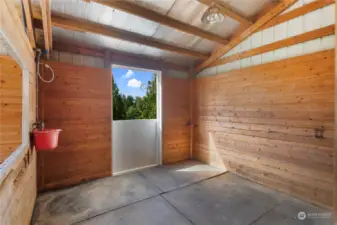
x=130, y=81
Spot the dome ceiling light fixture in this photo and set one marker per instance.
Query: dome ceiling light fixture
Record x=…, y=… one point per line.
x=212, y=15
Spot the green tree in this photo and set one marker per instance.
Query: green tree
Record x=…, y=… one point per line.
x=118, y=104
x=129, y=108
x=149, y=100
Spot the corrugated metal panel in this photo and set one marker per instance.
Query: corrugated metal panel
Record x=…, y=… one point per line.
x=188, y=11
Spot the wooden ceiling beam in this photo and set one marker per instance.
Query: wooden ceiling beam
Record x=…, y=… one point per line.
x=120, y=58
x=81, y=25
x=148, y=14
x=46, y=22
x=226, y=11
x=237, y=39
x=29, y=21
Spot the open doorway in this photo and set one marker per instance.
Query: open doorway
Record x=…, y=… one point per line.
x=137, y=119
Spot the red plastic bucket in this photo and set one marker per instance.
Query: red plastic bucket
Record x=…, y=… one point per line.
x=46, y=139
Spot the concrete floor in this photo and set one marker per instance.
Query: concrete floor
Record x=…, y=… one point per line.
x=182, y=194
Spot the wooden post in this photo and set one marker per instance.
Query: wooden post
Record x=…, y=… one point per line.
x=107, y=58
x=191, y=80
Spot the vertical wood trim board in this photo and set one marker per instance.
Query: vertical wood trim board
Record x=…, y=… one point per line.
x=79, y=102
x=260, y=122
x=176, y=114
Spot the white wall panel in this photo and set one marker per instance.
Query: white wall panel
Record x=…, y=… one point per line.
x=221, y=69
x=134, y=144
x=66, y=57
x=246, y=45
x=328, y=15
x=3, y=47
x=246, y=62
x=311, y=21
x=328, y=42
x=77, y=59
x=267, y=38
x=280, y=32
x=236, y=65
x=176, y=74
x=256, y=40
x=296, y=5
x=209, y=71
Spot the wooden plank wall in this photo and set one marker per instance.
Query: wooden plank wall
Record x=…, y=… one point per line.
x=79, y=102
x=259, y=123
x=175, y=148
x=18, y=190
x=11, y=106
x=175, y=106
x=18, y=172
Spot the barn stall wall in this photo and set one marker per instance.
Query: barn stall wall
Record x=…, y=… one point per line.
x=11, y=112
x=18, y=169
x=257, y=116
x=78, y=101
x=56, y=169
x=176, y=115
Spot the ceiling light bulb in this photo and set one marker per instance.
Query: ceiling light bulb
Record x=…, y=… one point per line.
x=212, y=15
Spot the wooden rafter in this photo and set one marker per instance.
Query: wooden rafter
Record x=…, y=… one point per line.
x=46, y=21
x=76, y=24
x=29, y=21
x=308, y=36
x=120, y=58
x=226, y=11
x=280, y=7
x=148, y=14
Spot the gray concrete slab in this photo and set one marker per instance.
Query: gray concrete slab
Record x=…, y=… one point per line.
x=171, y=177
x=188, y=193
x=229, y=199
x=90, y=199
x=154, y=211
x=286, y=213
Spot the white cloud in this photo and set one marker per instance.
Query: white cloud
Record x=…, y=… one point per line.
x=134, y=83
x=128, y=74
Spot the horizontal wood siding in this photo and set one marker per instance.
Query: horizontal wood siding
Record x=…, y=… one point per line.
x=175, y=106
x=10, y=106
x=18, y=192
x=259, y=122
x=78, y=101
